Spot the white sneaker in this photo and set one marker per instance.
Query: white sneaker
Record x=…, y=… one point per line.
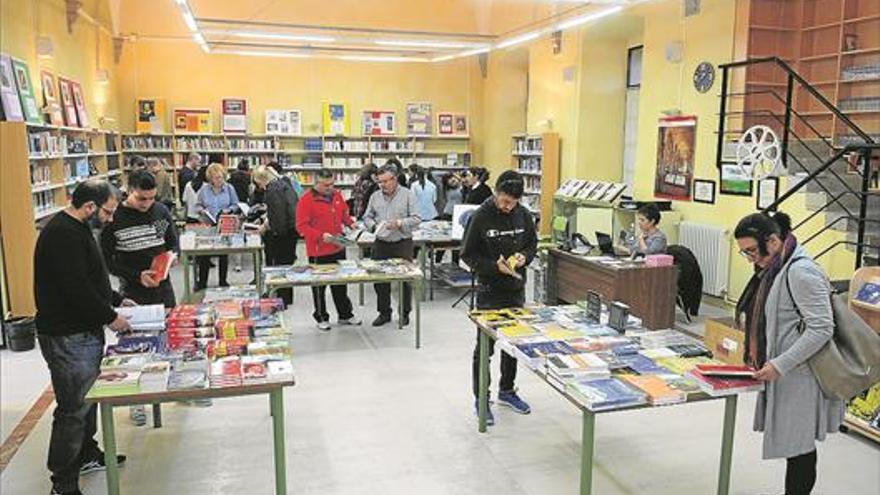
x=353, y=321
x=324, y=326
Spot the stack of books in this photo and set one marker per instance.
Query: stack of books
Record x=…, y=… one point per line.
x=658, y=391
x=577, y=366
x=154, y=377
x=605, y=394
x=719, y=380
x=226, y=372
x=116, y=382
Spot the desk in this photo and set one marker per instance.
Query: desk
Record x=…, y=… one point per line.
x=348, y=273
x=276, y=407
x=187, y=254
x=589, y=416
x=649, y=292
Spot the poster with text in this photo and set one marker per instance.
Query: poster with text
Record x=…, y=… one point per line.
x=444, y=124
x=192, y=121
x=379, y=123
x=80, y=103
x=675, y=158
x=26, y=91
x=418, y=119
x=8, y=94
x=335, y=119
x=284, y=122
x=234, y=117
x=66, y=92
x=150, y=115
x=51, y=108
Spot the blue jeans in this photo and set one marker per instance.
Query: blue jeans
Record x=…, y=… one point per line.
x=74, y=363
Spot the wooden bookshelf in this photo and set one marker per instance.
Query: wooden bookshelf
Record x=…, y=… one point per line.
x=825, y=41
x=536, y=157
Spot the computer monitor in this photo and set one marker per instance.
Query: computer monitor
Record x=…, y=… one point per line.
x=606, y=246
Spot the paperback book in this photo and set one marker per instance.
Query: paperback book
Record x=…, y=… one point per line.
x=116, y=382
x=605, y=394
x=658, y=391
x=719, y=387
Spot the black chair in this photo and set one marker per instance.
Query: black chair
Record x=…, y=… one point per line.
x=690, y=280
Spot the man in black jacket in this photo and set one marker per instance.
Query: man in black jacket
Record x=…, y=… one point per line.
x=499, y=229
x=478, y=190
x=74, y=302
x=142, y=229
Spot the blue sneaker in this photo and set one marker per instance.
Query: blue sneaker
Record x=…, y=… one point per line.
x=490, y=419
x=511, y=400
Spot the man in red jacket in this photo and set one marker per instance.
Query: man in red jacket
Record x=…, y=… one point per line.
x=320, y=215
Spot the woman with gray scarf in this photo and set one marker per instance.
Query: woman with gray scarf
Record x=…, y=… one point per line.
x=785, y=311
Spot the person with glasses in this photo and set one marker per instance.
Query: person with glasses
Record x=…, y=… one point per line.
x=216, y=197
x=74, y=303
x=785, y=312
x=500, y=229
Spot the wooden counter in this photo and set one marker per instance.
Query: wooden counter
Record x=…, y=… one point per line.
x=649, y=291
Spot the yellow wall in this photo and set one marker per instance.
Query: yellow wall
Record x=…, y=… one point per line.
x=505, y=91
x=76, y=55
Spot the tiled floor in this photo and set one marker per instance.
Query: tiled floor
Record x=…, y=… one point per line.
x=372, y=415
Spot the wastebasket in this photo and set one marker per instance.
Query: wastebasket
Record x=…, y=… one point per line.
x=20, y=334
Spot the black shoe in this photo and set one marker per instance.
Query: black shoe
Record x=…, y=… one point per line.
x=97, y=464
x=70, y=492
x=381, y=320
x=404, y=320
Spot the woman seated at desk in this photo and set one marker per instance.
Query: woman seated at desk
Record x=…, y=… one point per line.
x=649, y=239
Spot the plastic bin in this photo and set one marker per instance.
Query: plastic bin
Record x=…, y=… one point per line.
x=20, y=334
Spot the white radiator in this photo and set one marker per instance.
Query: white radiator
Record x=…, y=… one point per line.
x=711, y=246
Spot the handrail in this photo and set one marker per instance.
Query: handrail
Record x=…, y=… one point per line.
x=847, y=243
x=835, y=199
x=825, y=189
x=806, y=85
x=835, y=222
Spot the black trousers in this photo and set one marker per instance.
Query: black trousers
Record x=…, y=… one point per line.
x=487, y=298
x=340, y=292
x=800, y=474
x=382, y=251
x=164, y=294
x=204, y=263
x=438, y=255
x=280, y=250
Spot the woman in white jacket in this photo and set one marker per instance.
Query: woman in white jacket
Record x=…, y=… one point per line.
x=191, y=195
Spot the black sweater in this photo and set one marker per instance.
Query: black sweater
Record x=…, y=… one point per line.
x=478, y=195
x=281, y=202
x=71, y=284
x=492, y=233
x=134, y=238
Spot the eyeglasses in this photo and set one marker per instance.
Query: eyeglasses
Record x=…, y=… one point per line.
x=108, y=211
x=749, y=252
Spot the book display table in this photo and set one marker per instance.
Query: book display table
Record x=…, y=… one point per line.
x=219, y=245
x=602, y=371
x=348, y=272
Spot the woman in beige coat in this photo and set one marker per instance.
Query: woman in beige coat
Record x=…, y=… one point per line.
x=792, y=411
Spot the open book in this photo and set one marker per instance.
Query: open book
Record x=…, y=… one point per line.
x=147, y=318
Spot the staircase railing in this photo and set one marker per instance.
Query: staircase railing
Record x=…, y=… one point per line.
x=784, y=120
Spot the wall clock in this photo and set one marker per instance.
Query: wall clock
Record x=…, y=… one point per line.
x=704, y=77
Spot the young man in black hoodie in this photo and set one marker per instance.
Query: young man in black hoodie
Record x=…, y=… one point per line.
x=499, y=229
x=142, y=229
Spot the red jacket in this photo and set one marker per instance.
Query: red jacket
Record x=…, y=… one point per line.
x=315, y=216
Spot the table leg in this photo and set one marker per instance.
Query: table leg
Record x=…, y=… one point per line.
x=157, y=415
x=400, y=305
x=431, y=280
x=361, y=294
x=418, y=302
x=587, y=446
x=483, y=395
x=276, y=406
x=108, y=431
x=187, y=285
x=727, y=444
x=258, y=271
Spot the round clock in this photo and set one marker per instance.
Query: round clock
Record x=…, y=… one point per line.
x=704, y=77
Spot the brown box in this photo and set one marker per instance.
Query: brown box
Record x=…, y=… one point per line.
x=726, y=342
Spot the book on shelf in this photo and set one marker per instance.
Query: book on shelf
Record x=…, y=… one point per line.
x=145, y=318
x=161, y=265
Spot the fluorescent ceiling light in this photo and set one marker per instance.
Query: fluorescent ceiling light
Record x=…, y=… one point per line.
x=190, y=20
x=279, y=36
x=369, y=58
x=200, y=39
x=467, y=53
x=577, y=21
x=258, y=53
x=518, y=39
x=444, y=58
x=427, y=43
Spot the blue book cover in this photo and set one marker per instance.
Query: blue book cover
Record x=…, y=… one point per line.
x=547, y=348
x=625, y=350
x=608, y=393
x=135, y=345
x=869, y=293
x=643, y=365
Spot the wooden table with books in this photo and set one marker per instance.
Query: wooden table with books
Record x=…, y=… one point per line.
x=348, y=272
x=228, y=348
x=600, y=370
x=194, y=244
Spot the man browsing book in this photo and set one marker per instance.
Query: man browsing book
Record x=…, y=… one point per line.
x=499, y=242
x=74, y=302
x=321, y=215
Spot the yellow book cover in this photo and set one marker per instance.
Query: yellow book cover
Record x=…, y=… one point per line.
x=335, y=118
x=516, y=330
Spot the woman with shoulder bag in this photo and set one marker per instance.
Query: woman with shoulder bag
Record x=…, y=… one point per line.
x=792, y=411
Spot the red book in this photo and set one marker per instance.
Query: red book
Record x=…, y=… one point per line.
x=162, y=264
x=228, y=224
x=716, y=386
x=726, y=370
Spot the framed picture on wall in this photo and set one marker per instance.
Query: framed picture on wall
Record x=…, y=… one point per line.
x=234, y=115
x=379, y=123
x=51, y=108
x=736, y=181
x=67, y=102
x=192, y=121
x=418, y=119
x=704, y=191
x=768, y=191
x=150, y=113
x=284, y=122
x=676, y=137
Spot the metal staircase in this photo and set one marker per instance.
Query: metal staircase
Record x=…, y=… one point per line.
x=828, y=159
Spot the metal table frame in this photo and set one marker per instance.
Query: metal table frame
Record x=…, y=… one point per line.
x=589, y=422
x=275, y=391
x=427, y=248
x=187, y=254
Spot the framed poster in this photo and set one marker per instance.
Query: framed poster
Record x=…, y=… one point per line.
x=675, y=158
x=379, y=123
x=704, y=191
x=735, y=181
x=460, y=124
x=335, y=119
x=768, y=191
x=234, y=115
x=80, y=103
x=8, y=94
x=192, y=121
x=26, y=91
x=150, y=113
x=51, y=108
x=66, y=92
x=444, y=124
x=418, y=119
x=284, y=122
